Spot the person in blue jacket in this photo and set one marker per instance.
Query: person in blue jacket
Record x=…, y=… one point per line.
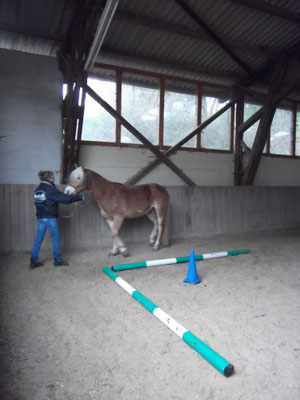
x=46, y=199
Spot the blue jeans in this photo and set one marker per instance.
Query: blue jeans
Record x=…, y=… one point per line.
x=42, y=225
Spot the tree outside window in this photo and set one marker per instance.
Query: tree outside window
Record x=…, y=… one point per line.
x=140, y=106
x=298, y=132
x=217, y=134
x=281, y=132
x=98, y=124
x=180, y=114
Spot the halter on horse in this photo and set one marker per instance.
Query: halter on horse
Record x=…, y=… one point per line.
x=118, y=202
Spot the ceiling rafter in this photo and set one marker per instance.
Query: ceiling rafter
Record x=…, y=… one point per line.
x=215, y=37
x=173, y=64
x=269, y=9
x=29, y=32
x=198, y=35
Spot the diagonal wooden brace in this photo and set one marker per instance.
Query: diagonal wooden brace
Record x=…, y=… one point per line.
x=137, y=134
x=179, y=144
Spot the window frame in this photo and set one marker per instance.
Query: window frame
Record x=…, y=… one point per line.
x=291, y=105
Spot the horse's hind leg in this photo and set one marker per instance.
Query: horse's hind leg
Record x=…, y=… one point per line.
x=161, y=208
x=118, y=245
x=152, y=217
x=161, y=217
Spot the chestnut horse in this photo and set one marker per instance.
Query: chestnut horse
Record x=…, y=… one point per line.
x=117, y=202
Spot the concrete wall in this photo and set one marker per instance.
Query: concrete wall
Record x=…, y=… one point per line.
x=194, y=212
x=205, y=169
x=30, y=117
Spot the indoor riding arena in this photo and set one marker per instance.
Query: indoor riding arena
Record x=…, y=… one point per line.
x=168, y=135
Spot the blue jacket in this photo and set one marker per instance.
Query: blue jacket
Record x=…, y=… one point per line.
x=47, y=197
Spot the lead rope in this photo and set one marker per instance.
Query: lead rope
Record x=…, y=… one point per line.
x=74, y=211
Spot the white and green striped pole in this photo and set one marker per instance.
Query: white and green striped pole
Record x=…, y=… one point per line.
x=210, y=355
x=176, y=260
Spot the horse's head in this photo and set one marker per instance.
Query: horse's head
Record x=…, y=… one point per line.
x=76, y=181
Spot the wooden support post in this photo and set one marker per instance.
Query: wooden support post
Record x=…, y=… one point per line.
x=238, y=153
x=265, y=123
x=80, y=123
x=72, y=56
x=72, y=125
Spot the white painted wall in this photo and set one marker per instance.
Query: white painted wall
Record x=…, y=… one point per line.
x=205, y=169
x=30, y=117
x=121, y=163
x=274, y=171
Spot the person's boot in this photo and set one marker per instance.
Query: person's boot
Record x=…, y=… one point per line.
x=61, y=263
x=34, y=265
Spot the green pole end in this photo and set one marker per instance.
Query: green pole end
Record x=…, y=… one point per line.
x=209, y=354
x=123, y=267
x=237, y=252
x=110, y=273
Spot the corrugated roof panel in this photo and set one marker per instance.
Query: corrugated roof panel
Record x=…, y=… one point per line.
x=160, y=43
x=162, y=10
x=288, y=5
x=43, y=16
x=140, y=43
x=27, y=44
x=129, y=62
x=250, y=25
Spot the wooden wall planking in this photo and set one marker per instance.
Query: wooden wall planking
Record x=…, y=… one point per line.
x=195, y=211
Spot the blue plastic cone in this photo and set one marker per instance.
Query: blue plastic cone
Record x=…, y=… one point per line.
x=192, y=276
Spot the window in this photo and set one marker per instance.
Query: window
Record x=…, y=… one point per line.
x=281, y=132
x=180, y=114
x=217, y=134
x=185, y=104
x=98, y=124
x=140, y=106
x=298, y=131
x=137, y=96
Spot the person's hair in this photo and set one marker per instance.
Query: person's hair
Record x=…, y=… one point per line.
x=45, y=175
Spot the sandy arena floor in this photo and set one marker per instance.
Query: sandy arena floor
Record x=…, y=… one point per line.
x=73, y=334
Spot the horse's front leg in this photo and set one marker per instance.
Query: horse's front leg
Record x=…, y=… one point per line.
x=152, y=217
x=118, y=245
x=115, y=250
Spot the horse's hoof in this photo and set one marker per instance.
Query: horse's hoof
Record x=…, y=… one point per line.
x=113, y=253
x=125, y=253
x=156, y=248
